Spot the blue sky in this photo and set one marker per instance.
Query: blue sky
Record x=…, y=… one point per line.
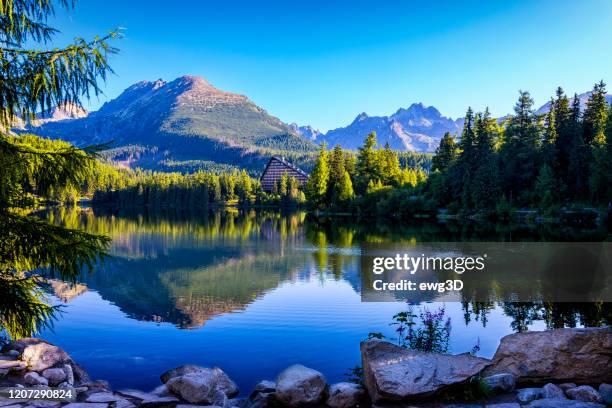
x=323, y=62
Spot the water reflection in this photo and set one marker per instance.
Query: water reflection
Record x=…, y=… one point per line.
x=187, y=268
x=259, y=291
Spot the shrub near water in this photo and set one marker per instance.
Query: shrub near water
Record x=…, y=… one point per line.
x=431, y=334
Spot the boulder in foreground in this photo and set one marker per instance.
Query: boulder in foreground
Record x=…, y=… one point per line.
x=392, y=373
x=345, y=395
x=298, y=385
x=582, y=356
x=200, y=385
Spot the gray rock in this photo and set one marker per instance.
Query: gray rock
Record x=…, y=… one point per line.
x=54, y=375
x=220, y=399
x=526, y=395
x=224, y=383
x=260, y=400
x=500, y=383
x=298, y=385
x=12, y=353
x=80, y=375
x=562, y=403
x=551, y=391
x=605, y=390
x=149, y=400
x=567, y=386
x=33, y=378
x=345, y=395
x=12, y=365
x=103, y=397
x=214, y=378
x=503, y=405
x=159, y=402
x=161, y=391
x=195, y=406
x=69, y=374
x=580, y=355
x=123, y=403
x=178, y=371
x=44, y=404
x=99, y=385
x=265, y=386
x=584, y=393
x=10, y=403
x=40, y=387
x=195, y=387
x=3, y=372
x=41, y=355
x=85, y=405
x=392, y=373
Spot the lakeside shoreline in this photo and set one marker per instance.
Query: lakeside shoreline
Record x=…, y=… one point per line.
x=578, y=377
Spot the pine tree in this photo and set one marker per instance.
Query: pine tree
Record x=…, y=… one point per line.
x=549, y=144
x=485, y=187
x=595, y=116
x=466, y=163
x=546, y=188
x=579, y=153
x=563, y=130
x=519, y=151
x=316, y=187
x=35, y=80
x=368, y=164
x=607, y=170
x=594, y=137
x=446, y=153
x=390, y=170
x=244, y=187
x=340, y=185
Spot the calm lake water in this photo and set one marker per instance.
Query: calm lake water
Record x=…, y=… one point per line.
x=251, y=293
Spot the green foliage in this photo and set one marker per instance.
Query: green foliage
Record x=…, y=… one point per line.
x=446, y=153
x=316, y=188
x=340, y=188
x=200, y=190
x=42, y=79
x=36, y=169
x=431, y=334
x=341, y=182
x=368, y=166
x=538, y=162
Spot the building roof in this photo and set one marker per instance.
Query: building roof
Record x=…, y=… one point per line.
x=286, y=163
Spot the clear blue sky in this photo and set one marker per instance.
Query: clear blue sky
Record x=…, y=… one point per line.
x=323, y=62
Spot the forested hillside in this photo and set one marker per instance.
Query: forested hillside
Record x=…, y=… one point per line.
x=182, y=125
x=546, y=163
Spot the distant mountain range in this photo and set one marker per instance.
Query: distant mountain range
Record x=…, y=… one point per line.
x=186, y=124
x=183, y=124
x=418, y=128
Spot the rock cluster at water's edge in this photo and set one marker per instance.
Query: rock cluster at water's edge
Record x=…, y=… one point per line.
x=394, y=377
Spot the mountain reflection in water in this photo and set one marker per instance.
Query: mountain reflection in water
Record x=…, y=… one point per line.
x=260, y=290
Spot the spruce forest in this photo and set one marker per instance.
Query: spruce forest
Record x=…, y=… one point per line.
x=545, y=163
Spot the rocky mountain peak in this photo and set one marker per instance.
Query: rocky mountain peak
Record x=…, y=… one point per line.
x=64, y=111
x=361, y=117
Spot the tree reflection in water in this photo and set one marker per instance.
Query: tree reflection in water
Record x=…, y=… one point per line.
x=186, y=268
